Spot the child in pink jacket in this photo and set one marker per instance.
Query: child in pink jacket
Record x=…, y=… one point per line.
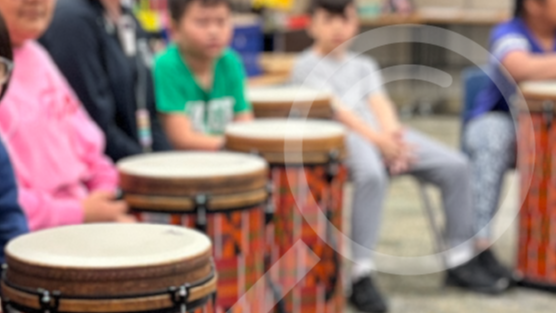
x=56, y=149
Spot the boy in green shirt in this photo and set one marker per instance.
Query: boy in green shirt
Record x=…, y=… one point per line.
x=199, y=82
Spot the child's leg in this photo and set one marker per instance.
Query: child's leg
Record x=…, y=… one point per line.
x=449, y=170
x=490, y=142
x=370, y=186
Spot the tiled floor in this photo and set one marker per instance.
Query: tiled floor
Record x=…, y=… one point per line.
x=406, y=232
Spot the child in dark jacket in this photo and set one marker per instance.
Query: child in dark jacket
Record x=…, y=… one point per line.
x=12, y=219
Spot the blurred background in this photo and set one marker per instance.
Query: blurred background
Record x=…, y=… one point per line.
x=270, y=32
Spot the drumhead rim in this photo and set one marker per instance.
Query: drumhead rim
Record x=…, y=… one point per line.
x=252, y=165
x=241, y=130
x=298, y=94
x=203, y=247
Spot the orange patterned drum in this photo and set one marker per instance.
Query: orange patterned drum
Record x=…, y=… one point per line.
x=536, y=251
x=308, y=185
x=109, y=268
x=222, y=194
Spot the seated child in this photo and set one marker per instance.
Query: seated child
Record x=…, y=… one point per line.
x=379, y=146
x=12, y=219
x=525, y=46
x=199, y=82
x=56, y=149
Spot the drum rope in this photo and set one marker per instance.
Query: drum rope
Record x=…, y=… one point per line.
x=49, y=301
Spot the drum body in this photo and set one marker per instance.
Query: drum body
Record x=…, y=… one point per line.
x=536, y=251
x=284, y=102
x=225, y=198
x=308, y=189
x=110, y=268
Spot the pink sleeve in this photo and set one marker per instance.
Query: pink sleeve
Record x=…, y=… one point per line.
x=43, y=211
x=102, y=172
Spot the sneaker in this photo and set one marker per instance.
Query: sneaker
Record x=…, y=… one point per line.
x=490, y=262
x=366, y=298
x=473, y=276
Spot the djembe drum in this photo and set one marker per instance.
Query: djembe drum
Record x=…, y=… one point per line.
x=308, y=182
x=536, y=251
x=109, y=268
x=221, y=194
x=292, y=101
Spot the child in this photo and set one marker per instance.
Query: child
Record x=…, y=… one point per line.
x=525, y=46
x=199, y=82
x=12, y=219
x=378, y=145
x=56, y=149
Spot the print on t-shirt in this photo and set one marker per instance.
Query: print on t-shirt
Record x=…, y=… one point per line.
x=211, y=118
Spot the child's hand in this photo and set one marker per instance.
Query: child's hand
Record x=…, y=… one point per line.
x=403, y=162
x=101, y=206
x=390, y=148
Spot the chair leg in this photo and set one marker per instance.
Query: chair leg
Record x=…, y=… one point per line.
x=437, y=234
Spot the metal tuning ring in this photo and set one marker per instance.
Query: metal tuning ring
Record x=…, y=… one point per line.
x=548, y=109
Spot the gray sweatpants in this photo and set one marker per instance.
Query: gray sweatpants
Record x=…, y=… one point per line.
x=435, y=164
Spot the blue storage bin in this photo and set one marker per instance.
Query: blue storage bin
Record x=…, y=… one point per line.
x=248, y=41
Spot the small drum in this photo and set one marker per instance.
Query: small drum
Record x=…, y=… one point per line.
x=283, y=102
x=308, y=182
x=221, y=194
x=536, y=251
x=109, y=268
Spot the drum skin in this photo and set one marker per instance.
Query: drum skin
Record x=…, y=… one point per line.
x=108, y=288
x=284, y=102
x=536, y=250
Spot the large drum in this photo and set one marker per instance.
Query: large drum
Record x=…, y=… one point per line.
x=308, y=184
x=109, y=268
x=536, y=251
x=283, y=102
x=222, y=194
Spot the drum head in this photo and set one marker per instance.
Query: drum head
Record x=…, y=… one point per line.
x=109, y=246
x=282, y=136
x=191, y=165
x=188, y=174
x=544, y=89
x=290, y=101
x=286, y=94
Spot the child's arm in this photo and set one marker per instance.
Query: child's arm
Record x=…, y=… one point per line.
x=523, y=65
x=244, y=117
x=183, y=137
x=384, y=110
x=389, y=148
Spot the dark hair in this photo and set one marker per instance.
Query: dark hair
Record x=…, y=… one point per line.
x=5, y=48
x=519, y=7
x=177, y=8
x=336, y=7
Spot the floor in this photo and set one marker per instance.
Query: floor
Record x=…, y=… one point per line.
x=406, y=232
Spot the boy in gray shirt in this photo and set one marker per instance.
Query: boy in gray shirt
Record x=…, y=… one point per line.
x=379, y=147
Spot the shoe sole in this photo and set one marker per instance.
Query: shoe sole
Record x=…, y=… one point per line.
x=351, y=302
x=497, y=290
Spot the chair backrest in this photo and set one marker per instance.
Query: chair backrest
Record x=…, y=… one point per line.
x=475, y=80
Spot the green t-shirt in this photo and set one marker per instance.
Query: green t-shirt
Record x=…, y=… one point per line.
x=210, y=111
